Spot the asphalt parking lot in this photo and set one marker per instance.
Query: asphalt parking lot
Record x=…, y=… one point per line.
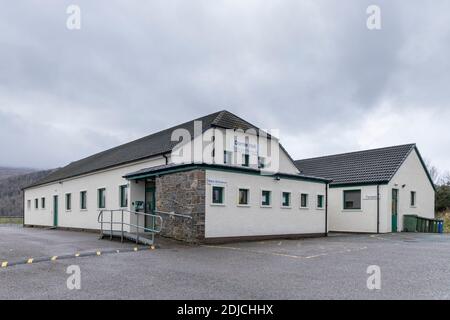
x=413, y=266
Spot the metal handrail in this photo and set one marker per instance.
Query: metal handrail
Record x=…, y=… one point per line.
x=100, y=219
x=175, y=214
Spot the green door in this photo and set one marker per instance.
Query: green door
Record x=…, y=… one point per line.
x=394, y=209
x=55, y=211
x=149, y=207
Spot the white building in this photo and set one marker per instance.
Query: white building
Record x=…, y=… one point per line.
x=372, y=190
x=207, y=199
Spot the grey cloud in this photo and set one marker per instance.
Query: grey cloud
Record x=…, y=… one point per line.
x=310, y=68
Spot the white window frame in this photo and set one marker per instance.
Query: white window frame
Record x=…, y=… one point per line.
x=317, y=201
x=224, y=198
x=290, y=199
x=98, y=198
x=120, y=195
x=261, y=198
x=85, y=209
x=415, y=199
x=65, y=202
x=307, y=200
x=248, y=197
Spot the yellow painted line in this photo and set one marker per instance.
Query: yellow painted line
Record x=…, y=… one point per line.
x=99, y=253
x=30, y=261
x=4, y=264
x=54, y=258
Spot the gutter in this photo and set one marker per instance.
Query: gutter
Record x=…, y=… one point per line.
x=378, y=208
x=326, y=209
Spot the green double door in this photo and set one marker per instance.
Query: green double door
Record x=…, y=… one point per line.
x=394, y=209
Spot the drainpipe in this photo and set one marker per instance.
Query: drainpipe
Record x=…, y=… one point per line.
x=326, y=209
x=167, y=158
x=378, y=208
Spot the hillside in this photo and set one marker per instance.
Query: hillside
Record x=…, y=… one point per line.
x=6, y=172
x=11, y=199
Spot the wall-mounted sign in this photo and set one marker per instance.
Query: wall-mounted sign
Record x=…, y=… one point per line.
x=215, y=181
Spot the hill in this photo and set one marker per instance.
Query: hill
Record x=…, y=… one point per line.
x=12, y=180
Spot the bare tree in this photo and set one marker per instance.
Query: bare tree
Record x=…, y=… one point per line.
x=434, y=172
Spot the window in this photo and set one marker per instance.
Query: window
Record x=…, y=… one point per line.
x=261, y=162
x=101, y=195
x=68, y=202
x=413, y=198
x=217, y=195
x=83, y=200
x=36, y=203
x=29, y=204
x=320, y=203
x=286, y=199
x=245, y=160
x=243, y=197
x=123, y=196
x=227, y=157
x=266, y=198
x=43, y=203
x=352, y=199
x=303, y=200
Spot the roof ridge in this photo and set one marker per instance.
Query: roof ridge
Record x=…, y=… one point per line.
x=412, y=145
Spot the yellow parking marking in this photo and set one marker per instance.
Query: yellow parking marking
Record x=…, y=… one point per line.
x=4, y=264
x=54, y=258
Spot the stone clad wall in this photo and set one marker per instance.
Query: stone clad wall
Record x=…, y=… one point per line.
x=183, y=193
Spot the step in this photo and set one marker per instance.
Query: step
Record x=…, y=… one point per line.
x=143, y=238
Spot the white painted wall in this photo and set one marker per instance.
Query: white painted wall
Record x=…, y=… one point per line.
x=76, y=218
x=414, y=178
x=283, y=162
x=411, y=174
x=231, y=220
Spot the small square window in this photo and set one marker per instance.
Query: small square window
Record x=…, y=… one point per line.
x=83, y=200
x=304, y=200
x=101, y=198
x=43, y=203
x=413, y=198
x=266, y=198
x=217, y=195
x=68, y=201
x=243, y=197
x=352, y=199
x=286, y=199
x=320, y=203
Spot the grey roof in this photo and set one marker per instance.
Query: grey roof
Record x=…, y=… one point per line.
x=152, y=145
x=164, y=169
x=361, y=167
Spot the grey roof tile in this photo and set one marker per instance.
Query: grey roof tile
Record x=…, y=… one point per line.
x=369, y=166
x=143, y=148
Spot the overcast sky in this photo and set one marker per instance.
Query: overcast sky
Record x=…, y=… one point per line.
x=309, y=68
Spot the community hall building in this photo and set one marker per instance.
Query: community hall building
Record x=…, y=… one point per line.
x=233, y=193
